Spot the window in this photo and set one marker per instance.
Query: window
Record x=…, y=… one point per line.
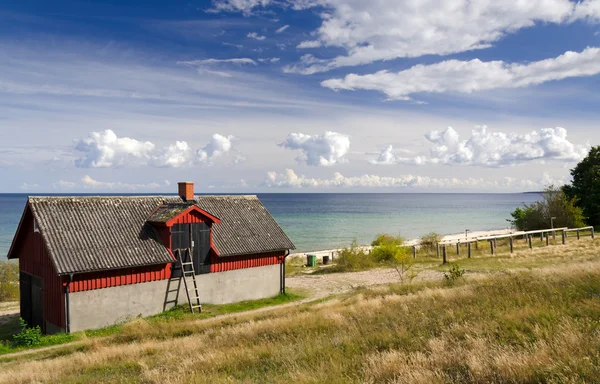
x=36, y=229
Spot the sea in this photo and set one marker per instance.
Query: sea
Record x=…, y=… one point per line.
x=320, y=221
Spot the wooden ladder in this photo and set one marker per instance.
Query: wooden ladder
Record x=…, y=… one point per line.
x=189, y=273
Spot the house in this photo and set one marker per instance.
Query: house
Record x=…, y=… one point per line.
x=91, y=261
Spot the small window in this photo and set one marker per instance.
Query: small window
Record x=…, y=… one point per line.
x=36, y=229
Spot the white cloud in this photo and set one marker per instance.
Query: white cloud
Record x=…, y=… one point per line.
x=270, y=60
x=327, y=149
x=244, y=6
x=106, y=150
x=63, y=184
x=471, y=76
x=175, y=156
x=492, y=149
x=279, y=30
x=88, y=182
x=289, y=179
x=387, y=29
x=29, y=186
x=309, y=44
x=239, y=61
x=217, y=146
x=256, y=36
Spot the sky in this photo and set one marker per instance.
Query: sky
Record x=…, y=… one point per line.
x=296, y=95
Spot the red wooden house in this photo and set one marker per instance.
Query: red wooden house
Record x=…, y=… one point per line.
x=90, y=261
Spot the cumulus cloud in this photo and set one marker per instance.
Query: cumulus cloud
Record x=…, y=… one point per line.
x=492, y=149
x=327, y=149
x=471, y=76
x=106, y=150
x=289, y=179
x=256, y=36
x=279, y=30
x=387, y=29
x=217, y=146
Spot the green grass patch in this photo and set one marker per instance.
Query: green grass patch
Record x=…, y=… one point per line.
x=119, y=332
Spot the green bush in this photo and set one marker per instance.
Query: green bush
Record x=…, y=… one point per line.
x=9, y=281
x=386, y=253
x=554, y=204
x=353, y=258
x=453, y=274
x=28, y=336
x=385, y=239
x=430, y=241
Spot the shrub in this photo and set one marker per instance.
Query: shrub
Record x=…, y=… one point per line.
x=28, y=336
x=403, y=263
x=385, y=239
x=554, y=204
x=430, y=241
x=9, y=281
x=453, y=274
x=353, y=258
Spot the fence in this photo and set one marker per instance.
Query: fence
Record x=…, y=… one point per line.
x=526, y=235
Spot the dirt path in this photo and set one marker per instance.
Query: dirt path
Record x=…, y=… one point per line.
x=8, y=312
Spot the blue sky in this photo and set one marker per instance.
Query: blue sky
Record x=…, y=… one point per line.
x=306, y=95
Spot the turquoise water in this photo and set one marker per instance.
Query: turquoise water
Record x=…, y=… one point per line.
x=324, y=221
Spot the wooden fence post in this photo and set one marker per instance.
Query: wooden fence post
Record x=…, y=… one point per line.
x=564, y=237
x=437, y=249
x=444, y=254
x=578, y=235
x=592, y=232
x=414, y=251
x=530, y=241
x=512, y=245
x=476, y=244
x=458, y=248
x=542, y=237
x=492, y=247
x=547, y=239
x=469, y=250
x=495, y=244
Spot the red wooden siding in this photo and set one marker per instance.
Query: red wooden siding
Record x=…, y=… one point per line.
x=105, y=279
x=229, y=263
x=34, y=260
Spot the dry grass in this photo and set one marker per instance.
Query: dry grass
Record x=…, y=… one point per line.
x=537, y=325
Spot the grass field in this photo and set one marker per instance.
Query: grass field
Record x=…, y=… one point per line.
x=529, y=317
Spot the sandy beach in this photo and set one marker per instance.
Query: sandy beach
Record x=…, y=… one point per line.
x=447, y=238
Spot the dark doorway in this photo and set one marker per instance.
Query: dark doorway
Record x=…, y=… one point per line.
x=32, y=299
x=197, y=237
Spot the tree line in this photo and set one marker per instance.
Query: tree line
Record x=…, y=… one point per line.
x=573, y=205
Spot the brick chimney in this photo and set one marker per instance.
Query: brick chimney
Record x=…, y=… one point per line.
x=186, y=190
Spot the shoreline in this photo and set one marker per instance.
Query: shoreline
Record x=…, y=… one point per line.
x=410, y=243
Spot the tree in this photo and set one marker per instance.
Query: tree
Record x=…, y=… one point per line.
x=555, y=203
x=585, y=187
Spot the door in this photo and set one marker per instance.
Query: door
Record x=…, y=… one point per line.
x=201, y=247
x=37, y=302
x=180, y=239
x=32, y=299
x=197, y=237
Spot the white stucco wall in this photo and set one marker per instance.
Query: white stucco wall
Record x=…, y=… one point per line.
x=102, y=307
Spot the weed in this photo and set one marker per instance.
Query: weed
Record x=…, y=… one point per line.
x=28, y=336
x=453, y=274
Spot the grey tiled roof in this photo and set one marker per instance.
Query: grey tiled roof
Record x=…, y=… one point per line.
x=246, y=226
x=90, y=233
x=85, y=234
